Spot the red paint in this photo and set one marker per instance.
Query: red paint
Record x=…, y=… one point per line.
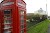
x=15, y=7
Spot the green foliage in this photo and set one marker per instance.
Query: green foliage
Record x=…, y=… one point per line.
x=40, y=27
x=37, y=17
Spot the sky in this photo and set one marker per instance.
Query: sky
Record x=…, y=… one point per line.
x=34, y=5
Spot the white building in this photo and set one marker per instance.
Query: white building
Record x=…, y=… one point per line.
x=41, y=12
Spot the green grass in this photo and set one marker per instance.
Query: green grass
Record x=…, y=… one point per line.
x=40, y=27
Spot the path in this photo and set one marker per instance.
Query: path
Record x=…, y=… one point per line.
x=49, y=28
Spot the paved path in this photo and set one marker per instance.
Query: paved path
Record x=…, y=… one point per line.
x=48, y=28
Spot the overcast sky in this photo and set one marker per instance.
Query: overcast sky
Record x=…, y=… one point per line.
x=33, y=5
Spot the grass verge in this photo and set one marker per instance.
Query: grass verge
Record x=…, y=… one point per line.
x=40, y=27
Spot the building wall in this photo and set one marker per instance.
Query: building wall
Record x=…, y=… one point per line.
x=41, y=11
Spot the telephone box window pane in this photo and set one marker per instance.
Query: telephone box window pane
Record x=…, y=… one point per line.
x=7, y=31
x=22, y=21
x=22, y=12
x=7, y=16
x=7, y=21
x=22, y=31
x=7, y=12
x=22, y=26
x=7, y=26
x=22, y=17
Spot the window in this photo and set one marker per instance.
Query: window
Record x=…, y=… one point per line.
x=7, y=16
x=22, y=21
x=7, y=11
x=22, y=26
x=22, y=17
x=22, y=31
x=22, y=12
x=7, y=26
x=7, y=21
x=7, y=31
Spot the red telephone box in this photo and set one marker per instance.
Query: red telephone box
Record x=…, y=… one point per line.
x=14, y=16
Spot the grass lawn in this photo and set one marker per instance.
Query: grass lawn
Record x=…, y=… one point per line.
x=40, y=27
